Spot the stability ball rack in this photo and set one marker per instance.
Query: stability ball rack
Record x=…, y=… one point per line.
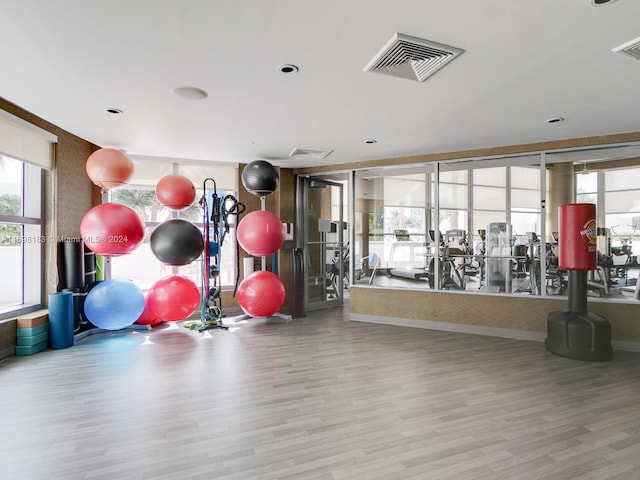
x=215, y=225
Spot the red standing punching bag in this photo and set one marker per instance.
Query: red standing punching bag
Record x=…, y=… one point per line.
x=577, y=249
x=577, y=333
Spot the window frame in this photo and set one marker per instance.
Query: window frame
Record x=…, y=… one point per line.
x=31, y=241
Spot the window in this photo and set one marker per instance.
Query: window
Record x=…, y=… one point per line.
x=622, y=206
x=141, y=266
x=587, y=187
x=454, y=200
x=396, y=216
x=21, y=235
x=616, y=194
x=489, y=199
x=25, y=151
x=525, y=199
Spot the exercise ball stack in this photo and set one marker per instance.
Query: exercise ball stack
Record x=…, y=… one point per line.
x=112, y=229
x=260, y=233
x=174, y=242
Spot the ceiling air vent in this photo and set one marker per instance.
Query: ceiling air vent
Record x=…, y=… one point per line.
x=411, y=57
x=296, y=152
x=630, y=49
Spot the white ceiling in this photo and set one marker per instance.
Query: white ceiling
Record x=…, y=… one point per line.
x=524, y=62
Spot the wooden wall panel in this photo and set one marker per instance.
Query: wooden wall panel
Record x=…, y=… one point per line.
x=525, y=313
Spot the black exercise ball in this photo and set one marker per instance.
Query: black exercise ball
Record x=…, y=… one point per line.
x=260, y=178
x=176, y=242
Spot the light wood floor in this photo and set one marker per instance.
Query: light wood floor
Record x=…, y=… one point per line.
x=317, y=398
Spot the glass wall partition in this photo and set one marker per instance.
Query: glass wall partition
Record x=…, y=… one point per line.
x=491, y=225
x=622, y=229
x=609, y=178
x=490, y=219
x=393, y=220
x=486, y=236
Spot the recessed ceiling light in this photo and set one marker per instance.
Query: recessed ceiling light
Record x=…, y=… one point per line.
x=598, y=3
x=190, y=93
x=370, y=142
x=288, y=68
x=555, y=120
x=115, y=111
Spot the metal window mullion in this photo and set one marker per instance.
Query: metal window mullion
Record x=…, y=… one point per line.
x=352, y=231
x=20, y=220
x=543, y=224
x=470, y=210
x=508, y=195
x=436, y=256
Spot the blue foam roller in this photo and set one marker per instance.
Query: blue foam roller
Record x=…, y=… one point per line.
x=60, y=320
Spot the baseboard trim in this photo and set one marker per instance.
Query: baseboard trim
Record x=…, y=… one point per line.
x=7, y=352
x=625, y=345
x=474, y=329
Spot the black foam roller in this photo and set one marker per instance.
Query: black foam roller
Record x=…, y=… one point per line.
x=71, y=263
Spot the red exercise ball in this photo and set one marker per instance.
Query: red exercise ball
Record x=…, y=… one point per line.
x=173, y=298
x=176, y=192
x=147, y=317
x=111, y=229
x=109, y=168
x=260, y=233
x=261, y=294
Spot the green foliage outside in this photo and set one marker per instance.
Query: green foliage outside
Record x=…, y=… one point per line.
x=144, y=202
x=10, y=205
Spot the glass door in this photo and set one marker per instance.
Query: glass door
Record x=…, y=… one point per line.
x=324, y=234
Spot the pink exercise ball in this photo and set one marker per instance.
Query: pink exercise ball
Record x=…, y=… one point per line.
x=109, y=168
x=176, y=192
x=173, y=298
x=111, y=229
x=260, y=233
x=260, y=294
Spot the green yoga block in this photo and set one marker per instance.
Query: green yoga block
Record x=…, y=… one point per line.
x=31, y=349
x=31, y=331
x=32, y=340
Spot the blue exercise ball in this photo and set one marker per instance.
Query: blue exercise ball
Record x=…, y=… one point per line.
x=114, y=304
